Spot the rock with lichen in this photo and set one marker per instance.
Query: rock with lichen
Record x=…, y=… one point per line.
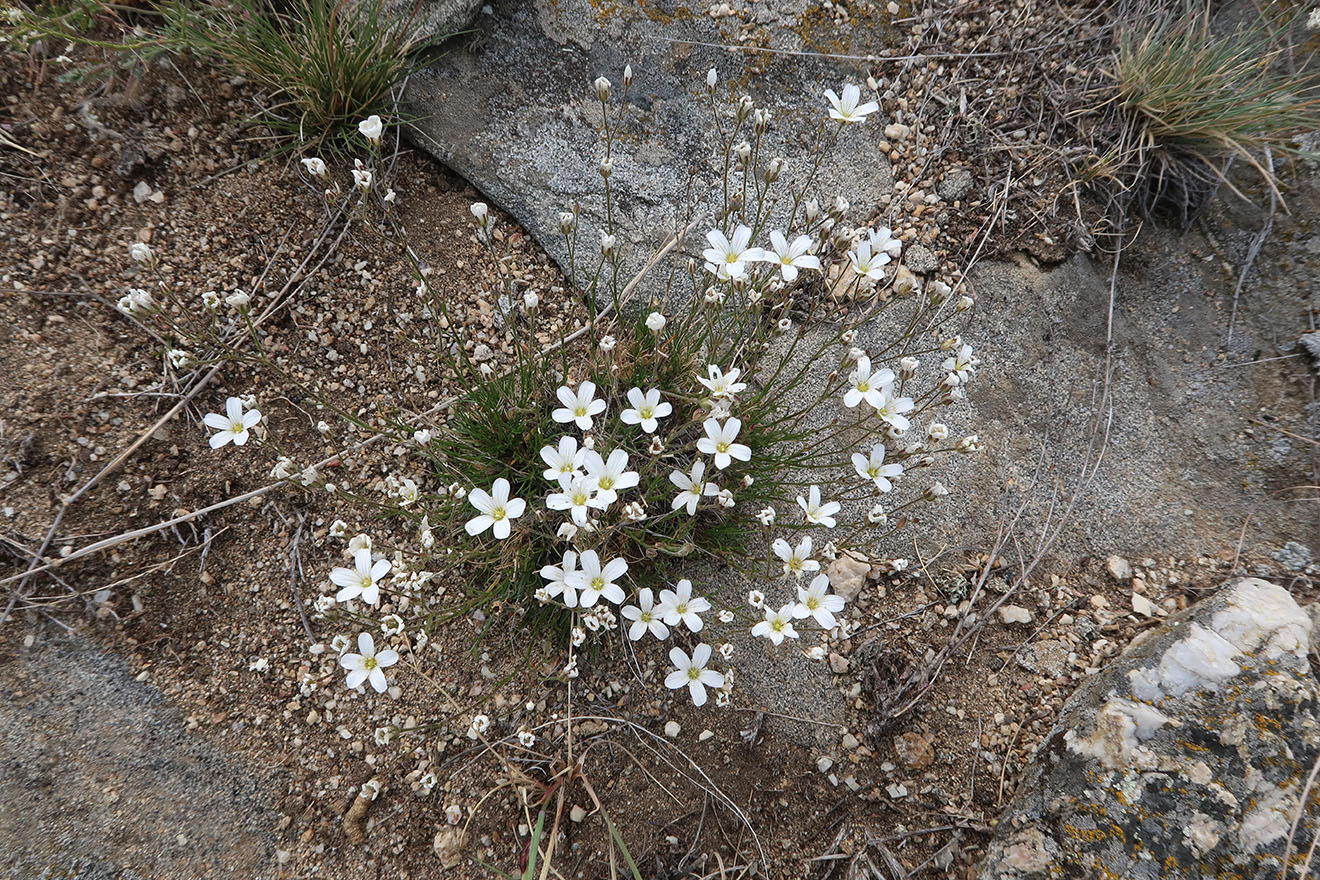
x=1186, y=757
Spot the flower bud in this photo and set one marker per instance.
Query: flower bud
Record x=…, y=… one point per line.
x=371, y=129
x=655, y=322
x=711, y=78
x=627, y=76
x=567, y=222
x=839, y=208
x=934, y=491
x=602, y=87
x=745, y=108
x=774, y=170
x=531, y=301
x=964, y=303
x=742, y=153
x=140, y=252
x=761, y=121
x=812, y=210
x=907, y=367
x=315, y=167
x=606, y=168
x=481, y=213
x=608, y=244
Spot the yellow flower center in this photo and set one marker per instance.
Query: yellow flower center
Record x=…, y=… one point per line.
x=693, y=673
x=580, y=411
x=777, y=625
x=645, y=411
x=606, y=482
x=366, y=581
x=368, y=662
x=497, y=514
x=722, y=446
x=598, y=583
x=863, y=385
x=813, y=603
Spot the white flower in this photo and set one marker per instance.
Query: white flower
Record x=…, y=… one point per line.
x=655, y=322
x=607, y=344
x=578, y=635
x=727, y=616
x=866, y=385
x=867, y=263
x=962, y=365
x=646, y=409
x=390, y=196
x=816, y=513
x=527, y=738
x=497, y=508
x=784, y=325
x=655, y=447
x=711, y=78
x=367, y=665
x=610, y=476
x=181, y=359
x=578, y=406
x=566, y=531
x=238, y=300
x=359, y=542
x=766, y=516
x=873, y=468
x=598, y=582
x=726, y=257
x=756, y=598
x=608, y=243
x=563, y=461
x=876, y=515
x=682, y=606
x=719, y=442
x=340, y=643
x=531, y=301
x=645, y=617
x=211, y=300
x=362, y=179
x=907, y=367
x=937, y=431
x=602, y=89
x=777, y=625
x=361, y=581
x=936, y=490
x=558, y=579
x=480, y=724
x=846, y=109
x=315, y=167
x=635, y=511
x=790, y=257
x=408, y=492
x=422, y=437
x=692, y=672
x=692, y=486
x=371, y=129
x=891, y=410
x=797, y=560
x=579, y=493
x=725, y=498
x=721, y=384
x=818, y=602
x=882, y=241
x=140, y=252
x=232, y=427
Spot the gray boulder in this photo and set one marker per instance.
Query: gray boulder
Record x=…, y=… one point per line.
x=434, y=19
x=515, y=115
x=1186, y=757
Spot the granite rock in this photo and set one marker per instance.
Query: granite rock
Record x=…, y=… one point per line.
x=1185, y=757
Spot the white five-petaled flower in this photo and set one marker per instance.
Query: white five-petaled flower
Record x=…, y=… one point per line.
x=564, y=461
x=368, y=665
x=362, y=179
x=693, y=486
x=892, y=410
x=777, y=625
x=233, y=425
x=790, y=257
x=371, y=128
x=816, y=513
x=719, y=442
x=646, y=409
x=362, y=580
x=680, y=606
x=882, y=241
x=558, y=579
x=691, y=672
x=578, y=493
x=497, y=508
x=595, y=581
x=797, y=560
x=578, y=406
x=720, y=384
x=866, y=385
x=873, y=468
x=645, y=617
x=962, y=365
x=847, y=110
x=610, y=475
x=866, y=262
x=727, y=257
x=315, y=167
x=817, y=601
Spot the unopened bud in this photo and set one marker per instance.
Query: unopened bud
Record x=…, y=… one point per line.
x=602, y=87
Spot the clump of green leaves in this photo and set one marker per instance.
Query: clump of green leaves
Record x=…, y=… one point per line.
x=331, y=62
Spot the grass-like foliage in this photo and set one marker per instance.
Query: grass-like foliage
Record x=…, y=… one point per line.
x=331, y=62
x=1216, y=94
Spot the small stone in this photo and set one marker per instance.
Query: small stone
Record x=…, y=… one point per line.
x=672, y=729
x=956, y=184
x=891, y=7
x=448, y=845
x=1014, y=614
x=705, y=735
x=1048, y=657
x=824, y=763
x=914, y=750
x=141, y=192
x=1293, y=556
x=848, y=574
x=1119, y=569
x=905, y=282
x=897, y=131
x=921, y=260
x=577, y=814
x=838, y=663
x=849, y=742
x=896, y=790
x=1145, y=607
